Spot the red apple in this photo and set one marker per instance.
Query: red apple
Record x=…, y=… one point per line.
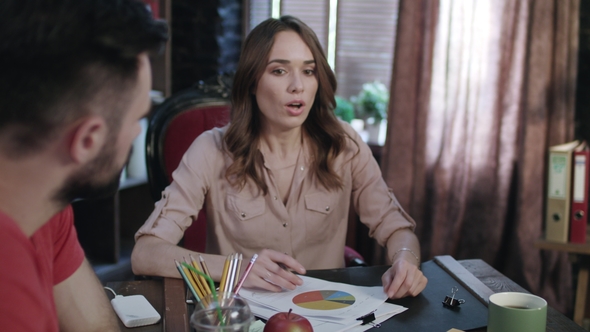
x=287, y=322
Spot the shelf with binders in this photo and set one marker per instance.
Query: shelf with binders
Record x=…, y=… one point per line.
x=566, y=214
x=571, y=248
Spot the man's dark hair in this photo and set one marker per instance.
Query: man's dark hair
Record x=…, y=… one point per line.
x=61, y=60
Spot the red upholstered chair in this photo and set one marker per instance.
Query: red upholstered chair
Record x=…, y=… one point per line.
x=173, y=127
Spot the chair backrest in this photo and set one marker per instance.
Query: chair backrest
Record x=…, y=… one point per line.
x=173, y=126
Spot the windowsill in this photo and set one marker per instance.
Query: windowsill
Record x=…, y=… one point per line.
x=370, y=133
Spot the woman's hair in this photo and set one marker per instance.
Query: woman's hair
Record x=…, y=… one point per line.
x=321, y=126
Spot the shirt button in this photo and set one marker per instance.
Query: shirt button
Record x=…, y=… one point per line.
x=327, y=208
x=243, y=215
x=275, y=198
x=284, y=224
x=302, y=168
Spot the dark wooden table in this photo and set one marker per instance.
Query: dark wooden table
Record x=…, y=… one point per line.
x=497, y=282
x=167, y=295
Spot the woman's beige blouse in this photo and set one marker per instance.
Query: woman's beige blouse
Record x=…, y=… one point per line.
x=311, y=227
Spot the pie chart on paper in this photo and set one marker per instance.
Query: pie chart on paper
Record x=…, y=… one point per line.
x=324, y=300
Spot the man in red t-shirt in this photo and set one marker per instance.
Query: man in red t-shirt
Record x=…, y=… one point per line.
x=74, y=83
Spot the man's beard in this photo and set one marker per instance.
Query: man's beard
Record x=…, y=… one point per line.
x=87, y=182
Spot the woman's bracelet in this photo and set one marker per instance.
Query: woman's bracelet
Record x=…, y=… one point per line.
x=406, y=249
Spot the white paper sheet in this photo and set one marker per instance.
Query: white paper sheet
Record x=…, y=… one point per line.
x=329, y=306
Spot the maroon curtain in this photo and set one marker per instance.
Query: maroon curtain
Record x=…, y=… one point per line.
x=479, y=91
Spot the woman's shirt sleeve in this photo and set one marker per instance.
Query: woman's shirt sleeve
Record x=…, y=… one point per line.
x=182, y=200
x=373, y=201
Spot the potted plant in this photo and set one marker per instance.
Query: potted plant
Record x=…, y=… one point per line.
x=371, y=105
x=344, y=109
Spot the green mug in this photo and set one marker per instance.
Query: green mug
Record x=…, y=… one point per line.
x=516, y=312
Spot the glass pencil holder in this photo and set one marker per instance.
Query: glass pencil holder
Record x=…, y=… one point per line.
x=228, y=313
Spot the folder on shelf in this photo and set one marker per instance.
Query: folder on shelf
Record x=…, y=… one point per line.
x=557, y=217
x=579, y=210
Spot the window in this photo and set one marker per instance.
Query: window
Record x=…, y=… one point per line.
x=360, y=45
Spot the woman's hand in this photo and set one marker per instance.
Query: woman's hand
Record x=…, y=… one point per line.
x=403, y=279
x=272, y=271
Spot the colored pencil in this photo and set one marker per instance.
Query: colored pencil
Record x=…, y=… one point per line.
x=204, y=266
x=195, y=279
x=231, y=274
x=224, y=274
x=202, y=280
x=235, y=283
x=245, y=275
x=189, y=275
x=187, y=281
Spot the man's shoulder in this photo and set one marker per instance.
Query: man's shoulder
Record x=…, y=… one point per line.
x=57, y=226
x=11, y=233
x=10, y=228
x=62, y=218
x=24, y=288
x=17, y=253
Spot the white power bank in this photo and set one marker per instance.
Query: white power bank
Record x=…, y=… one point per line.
x=135, y=310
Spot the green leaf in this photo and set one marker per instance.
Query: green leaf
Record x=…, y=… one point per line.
x=372, y=101
x=344, y=109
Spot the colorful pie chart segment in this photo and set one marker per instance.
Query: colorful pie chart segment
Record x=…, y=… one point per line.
x=324, y=300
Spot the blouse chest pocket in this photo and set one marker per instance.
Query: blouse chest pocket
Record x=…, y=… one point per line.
x=319, y=202
x=245, y=208
x=322, y=216
x=245, y=220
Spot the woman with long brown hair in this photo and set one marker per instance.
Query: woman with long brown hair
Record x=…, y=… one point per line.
x=279, y=179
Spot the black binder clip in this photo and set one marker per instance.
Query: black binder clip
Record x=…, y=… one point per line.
x=369, y=319
x=451, y=301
